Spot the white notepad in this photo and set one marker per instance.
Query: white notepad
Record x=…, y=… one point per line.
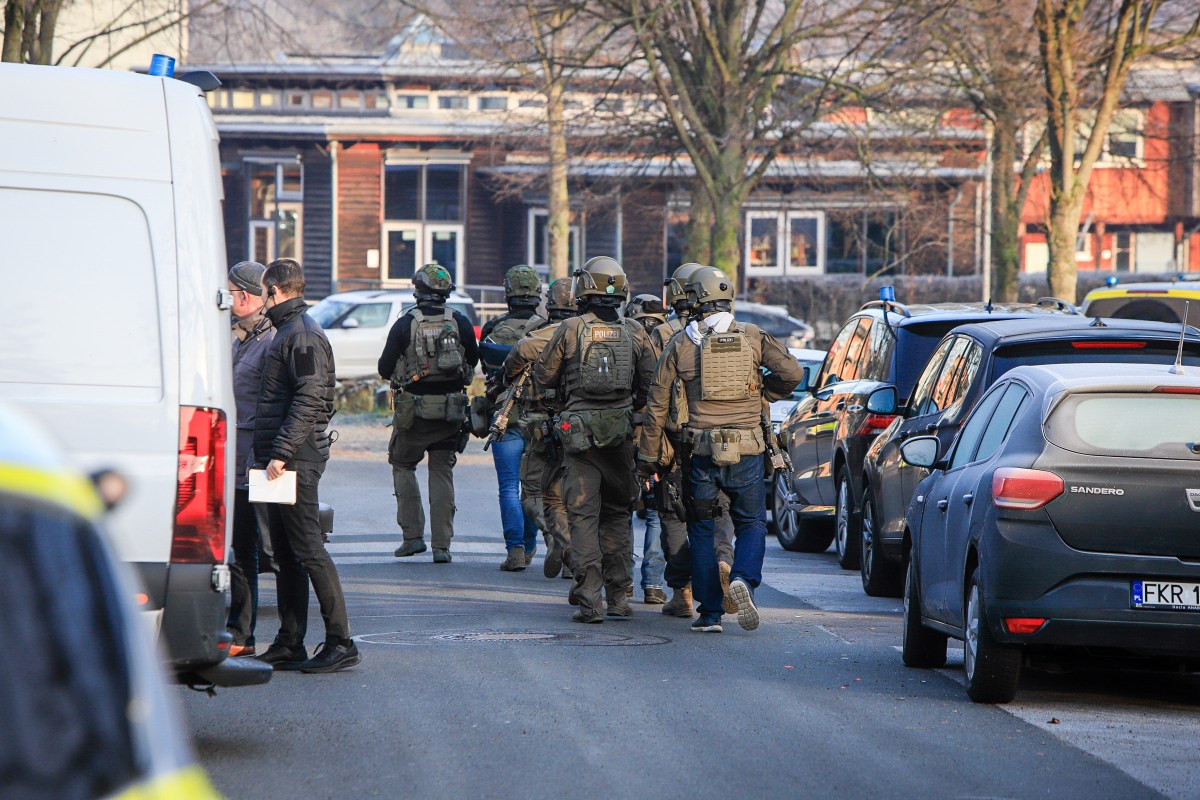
x=282, y=490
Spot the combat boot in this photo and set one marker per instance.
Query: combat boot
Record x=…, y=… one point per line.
x=680, y=604
x=515, y=561
x=728, y=601
x=618, y=606
x=410, y=548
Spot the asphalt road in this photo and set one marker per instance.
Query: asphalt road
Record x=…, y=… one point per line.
x=475, y=684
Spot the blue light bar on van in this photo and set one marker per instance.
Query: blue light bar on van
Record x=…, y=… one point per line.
x=162, y=66
x=887, y=294
x=1111, y=280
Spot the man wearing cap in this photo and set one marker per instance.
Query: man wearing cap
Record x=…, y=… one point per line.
x=253, y=334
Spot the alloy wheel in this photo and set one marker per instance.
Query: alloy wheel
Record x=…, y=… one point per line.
x=843, y=518
x=868, y=539
x=971, y=642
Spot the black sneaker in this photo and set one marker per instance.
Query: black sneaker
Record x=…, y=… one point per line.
x=707, y=625
x=331, y=657
x=283, y=658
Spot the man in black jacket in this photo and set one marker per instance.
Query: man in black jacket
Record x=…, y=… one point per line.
x=295, y=402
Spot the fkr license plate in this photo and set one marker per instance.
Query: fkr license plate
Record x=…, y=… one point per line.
x=1166, y=595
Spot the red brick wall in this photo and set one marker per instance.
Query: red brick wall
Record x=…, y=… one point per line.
x=360, y=211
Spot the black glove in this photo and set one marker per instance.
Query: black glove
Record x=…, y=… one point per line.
x=646, y=471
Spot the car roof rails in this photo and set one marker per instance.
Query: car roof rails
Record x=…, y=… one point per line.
x=1058, y=303
x=887, y=305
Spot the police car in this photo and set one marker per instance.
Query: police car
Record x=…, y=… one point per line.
x=1156, y=302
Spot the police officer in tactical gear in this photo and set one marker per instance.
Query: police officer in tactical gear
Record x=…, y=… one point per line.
x=719, y=362
x=649, y=310
x=523, y=294
x=678, y=572
x=543, y=464
x=602, y=364
x=430, y=358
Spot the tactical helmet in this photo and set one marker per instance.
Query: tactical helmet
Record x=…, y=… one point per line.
x=676, y=292
x=522, y=281
x=710, y=285
x=601, y=277
x=559, y=297
x=433, y=279
x=645, y=307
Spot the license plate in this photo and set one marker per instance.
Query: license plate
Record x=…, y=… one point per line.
x=1167, y=595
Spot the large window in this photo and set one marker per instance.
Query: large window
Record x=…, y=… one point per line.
x=423, y=209
x=539, y=242
x=276, y=209
x=779, y=242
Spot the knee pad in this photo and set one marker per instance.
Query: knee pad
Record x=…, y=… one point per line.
x=701, y=510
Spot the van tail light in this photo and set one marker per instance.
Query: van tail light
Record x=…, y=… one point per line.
x=199, y=536
x=1024, y=489
x=874, y=424
x=1024, y=625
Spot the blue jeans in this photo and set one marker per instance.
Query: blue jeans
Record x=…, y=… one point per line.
x=519, y=530
x=653, y=562
x=743, y=484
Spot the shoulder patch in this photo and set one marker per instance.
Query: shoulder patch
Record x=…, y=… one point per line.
x=305, y=360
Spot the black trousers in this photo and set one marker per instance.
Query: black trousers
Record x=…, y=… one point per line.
x=243, y=570
x=301, y=555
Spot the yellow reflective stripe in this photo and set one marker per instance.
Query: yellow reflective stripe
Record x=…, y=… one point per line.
x=62, y=488
x=1108, y=294
x=190, y=783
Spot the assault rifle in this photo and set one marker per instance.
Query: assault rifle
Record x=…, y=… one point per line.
x=500, y=420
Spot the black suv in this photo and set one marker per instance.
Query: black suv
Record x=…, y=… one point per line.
x=828, y=432
x=965, y=364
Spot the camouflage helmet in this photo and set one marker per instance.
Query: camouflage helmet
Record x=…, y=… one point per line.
x=559, y=297
x=522, y=281
x=646, y=306
x=710, y=285
x=601, y=277
x=433, y=279
x=676, y=292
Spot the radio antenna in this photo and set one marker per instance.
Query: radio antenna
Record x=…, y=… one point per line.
x=1178, y=368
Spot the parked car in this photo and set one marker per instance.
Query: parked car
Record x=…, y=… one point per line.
x=966, y=362
x=1059, y=529
x=780, y=409
x=357, y=325
x=776, y=321
x=1158, y=302
x=829, y=431
x=86, y=710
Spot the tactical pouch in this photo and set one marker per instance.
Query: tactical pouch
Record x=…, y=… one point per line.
x=609, y=427
x=573, y=433
x=481, y=419
x=404, y=411
x=530, y=426
x=457, y=408
x=726, y=446
x=431, y=406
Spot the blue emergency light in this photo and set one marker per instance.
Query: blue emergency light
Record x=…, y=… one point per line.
x=162, y=66
x=887, y=294
x=1111, y=280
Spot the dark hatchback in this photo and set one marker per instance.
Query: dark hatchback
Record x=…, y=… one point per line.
x=1059, y=529
x=965, y=364
x=829, y=431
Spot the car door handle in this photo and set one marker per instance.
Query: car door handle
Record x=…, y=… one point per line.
x=854, y=409
x=967, y=498
x=943, y=504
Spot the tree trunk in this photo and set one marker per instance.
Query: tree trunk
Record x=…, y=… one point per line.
x=14, y=30
x=559, y=207
x=1063, y=230
x=727, y=224
x=1006, y=216
x=699, y=228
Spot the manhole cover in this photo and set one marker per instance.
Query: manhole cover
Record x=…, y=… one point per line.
x=577, y=639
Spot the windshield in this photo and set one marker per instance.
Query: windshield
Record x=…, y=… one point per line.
x=329, y=311
x=1159, y=308
x=1129, y=424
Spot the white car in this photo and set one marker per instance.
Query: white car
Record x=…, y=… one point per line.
x=776, y=321
x=357, y=324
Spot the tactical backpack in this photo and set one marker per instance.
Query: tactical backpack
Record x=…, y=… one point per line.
x=603, y=366
x=728, y=370
x=501, y=339
x=434, y=350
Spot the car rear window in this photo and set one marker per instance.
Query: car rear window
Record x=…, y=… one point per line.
x=914, y=345
x=1156, y=308
x=1127, y=424
x=1066, y=352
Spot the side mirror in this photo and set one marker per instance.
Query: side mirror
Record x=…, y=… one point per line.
x=921, y=451
x=883, y=400
x=351, y=322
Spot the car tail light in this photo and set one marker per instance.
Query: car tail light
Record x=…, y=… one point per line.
x=199, y=536
x=1024, y=489
x=478, y=333
x=1108, y=345
x=1024, y=624
x=1177, y=389
x=874, y=424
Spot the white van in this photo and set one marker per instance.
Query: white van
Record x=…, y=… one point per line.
x=114, y=323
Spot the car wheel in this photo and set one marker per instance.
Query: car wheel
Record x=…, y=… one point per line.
x=778, y=504
x=847, y=532
x=993, y=669
x=920, y=646
x=880, y=577
x=802, y=535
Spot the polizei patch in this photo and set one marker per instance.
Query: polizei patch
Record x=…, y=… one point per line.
x=606, y=334
x=725, y=344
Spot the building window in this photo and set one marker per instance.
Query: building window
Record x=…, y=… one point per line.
x=452, y=102
x=243, y=99
x=1123, y=252
x=784, y=242
x=493, y=104
x=376, y=100
x=412, y=101
x=1125, y=136
x=349, y=100
x=539, y=242
x=268, y=99
x=322, y=99
x=295, y=99
x=858, y=241
x=532, y=102
x=424, y=215
x=276, y=209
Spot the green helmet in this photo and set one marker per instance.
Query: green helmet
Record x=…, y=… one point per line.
x=601, y=277
x=559, y=297
x=709, y=285
x=522, y=281
x=646, y=306
x=676, y=293
x=433, y=279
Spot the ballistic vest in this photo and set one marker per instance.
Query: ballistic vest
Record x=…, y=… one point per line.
x=603, y=365
x=728, y=369
x=434, y=350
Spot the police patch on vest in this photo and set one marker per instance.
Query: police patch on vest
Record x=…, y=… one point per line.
x=606, y=334
x=726, y=344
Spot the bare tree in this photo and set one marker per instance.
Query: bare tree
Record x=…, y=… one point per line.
x=1087, y=49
